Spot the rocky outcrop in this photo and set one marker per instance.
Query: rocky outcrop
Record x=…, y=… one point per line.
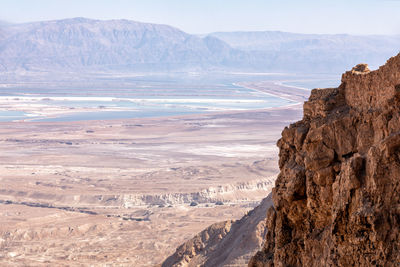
x=336, y=199
x=238, y=192
x=243, y=192
x=226, y=243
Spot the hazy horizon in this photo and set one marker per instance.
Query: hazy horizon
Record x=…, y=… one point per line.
x=371, y=17
x=200, y=34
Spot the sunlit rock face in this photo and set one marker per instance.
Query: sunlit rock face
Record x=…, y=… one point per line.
x=229, y=243
x=336, y=199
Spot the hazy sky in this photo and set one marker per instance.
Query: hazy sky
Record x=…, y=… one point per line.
x=203, y=16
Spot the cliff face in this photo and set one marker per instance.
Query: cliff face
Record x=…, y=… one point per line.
x=337, y=197
x=224, y=244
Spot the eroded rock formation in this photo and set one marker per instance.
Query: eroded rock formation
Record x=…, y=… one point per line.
x=226, y=243
x=337, y=197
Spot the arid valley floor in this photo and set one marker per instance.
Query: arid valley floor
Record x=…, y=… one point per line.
x=124, y=192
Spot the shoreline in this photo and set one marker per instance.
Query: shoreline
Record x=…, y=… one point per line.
x=289, y=93
x=39, y=112
x=244, y=85
x=293, y=106
x=292, y=86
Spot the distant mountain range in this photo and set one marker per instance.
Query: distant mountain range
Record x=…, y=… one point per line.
x=81, y=44
x=117, y=44
x=313, y=52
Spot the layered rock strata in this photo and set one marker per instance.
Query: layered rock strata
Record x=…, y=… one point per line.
x=337, y=197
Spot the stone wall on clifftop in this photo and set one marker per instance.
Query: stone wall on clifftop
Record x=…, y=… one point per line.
x=337, y=197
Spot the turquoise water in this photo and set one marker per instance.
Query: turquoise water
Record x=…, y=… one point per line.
x=150, y=96
x=11, y=115
x=145, y=108
x=140, y=102
x=142, y=108
x=109, y=115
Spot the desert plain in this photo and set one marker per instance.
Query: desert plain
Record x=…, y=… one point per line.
x=127, y=192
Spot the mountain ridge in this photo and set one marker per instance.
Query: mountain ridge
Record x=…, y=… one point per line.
x=82, y=45
x=80, y=42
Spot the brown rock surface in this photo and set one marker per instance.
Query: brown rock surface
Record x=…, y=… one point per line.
x=336, y=199
x=229, y=243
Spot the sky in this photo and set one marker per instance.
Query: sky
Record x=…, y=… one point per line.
x=205, y=16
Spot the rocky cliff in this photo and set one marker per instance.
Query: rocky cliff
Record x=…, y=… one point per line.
x=226, y=243
x=336, y=199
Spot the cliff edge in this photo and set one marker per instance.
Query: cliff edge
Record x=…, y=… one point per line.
x=337, y=197
x=226, y=243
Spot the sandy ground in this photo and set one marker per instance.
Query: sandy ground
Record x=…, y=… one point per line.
x=128, y=192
